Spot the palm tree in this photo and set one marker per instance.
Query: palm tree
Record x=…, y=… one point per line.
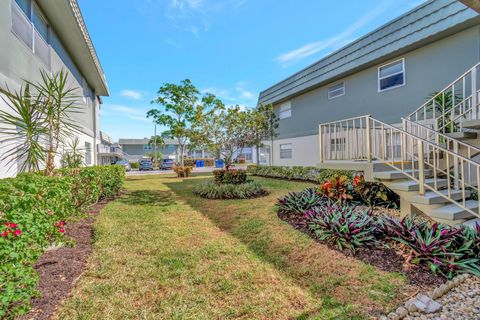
x=39, y=121
x=22, y=130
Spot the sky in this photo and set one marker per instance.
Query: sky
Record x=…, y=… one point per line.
x=231, y=48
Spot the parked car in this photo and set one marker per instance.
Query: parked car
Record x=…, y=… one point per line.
x=167, y=164
x=124, y=163
x=146, y=165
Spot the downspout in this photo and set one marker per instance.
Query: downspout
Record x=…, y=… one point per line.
x=95, y=153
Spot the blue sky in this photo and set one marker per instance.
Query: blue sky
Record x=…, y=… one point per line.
x=231, y=48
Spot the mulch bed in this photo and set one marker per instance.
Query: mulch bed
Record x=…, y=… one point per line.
x=419, y=278
x=59, y=269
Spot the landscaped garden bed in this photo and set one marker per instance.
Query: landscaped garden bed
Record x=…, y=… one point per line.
x=330, y=214
x=230, y=184
x=36, y=213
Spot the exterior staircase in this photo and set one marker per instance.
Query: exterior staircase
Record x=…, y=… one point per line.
x=431, y=159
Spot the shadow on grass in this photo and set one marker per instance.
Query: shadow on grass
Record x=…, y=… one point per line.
x=148, y=197
x=255, y=224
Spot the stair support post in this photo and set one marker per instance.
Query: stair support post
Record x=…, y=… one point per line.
x=320, y=142
x=369, y=140
x=456, y=170
x=474, y=94
x=421, y=168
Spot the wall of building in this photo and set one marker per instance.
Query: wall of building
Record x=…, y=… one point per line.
x=137, y=150
x=427, y=70
x=18, y=62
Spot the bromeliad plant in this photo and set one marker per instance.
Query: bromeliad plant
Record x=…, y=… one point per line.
x=445, y=250
x=297, y=203
x=344, y=226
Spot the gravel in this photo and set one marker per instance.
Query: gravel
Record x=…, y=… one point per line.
x=462, y=302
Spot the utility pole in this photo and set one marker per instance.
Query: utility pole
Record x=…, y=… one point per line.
x=155, y=144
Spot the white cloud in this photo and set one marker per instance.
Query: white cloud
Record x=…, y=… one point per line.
x=195, y=15
x=244, y=93
x=132, y=94
x=239, y=94
x=335, y=42
x=139, y=114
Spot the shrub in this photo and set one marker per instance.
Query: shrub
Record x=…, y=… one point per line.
x=443, y=249
x=135, y=165
x=313, y=174
x=183, y=172
x=212, y=190
x=230, y=176
x=337, y=189
x=346, y=227
x=375, y=194
x=189, y=162
x=297, y=203
x=33, y=209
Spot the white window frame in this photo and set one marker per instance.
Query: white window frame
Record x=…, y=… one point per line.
x=391, y=75
x=287, y=111
x=291, y=150
x=330, y=97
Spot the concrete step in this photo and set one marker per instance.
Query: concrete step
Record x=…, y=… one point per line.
x=431, y=197
x=395, y=175
x=412, y=185
x=462, y=135
x=471, y=124
x=472, y=223
x=451, y=212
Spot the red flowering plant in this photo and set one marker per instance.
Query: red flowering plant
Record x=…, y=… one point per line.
x=336, y=189
x=10, y=230
x=60, y=226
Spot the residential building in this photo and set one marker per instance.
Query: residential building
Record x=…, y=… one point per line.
x=51, y=35
x=400, y=106
x=108, y=151
x=387, y=73
x=135, y=149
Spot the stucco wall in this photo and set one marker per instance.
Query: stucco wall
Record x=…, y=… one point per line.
x=17, y=62
x=427, y=70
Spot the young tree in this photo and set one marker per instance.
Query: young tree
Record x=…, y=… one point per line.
x=22, y=128
x=264, y=126
x=59, y=102
x=73, y=156
x=226, y=131
x=178, y=104
x=40, y=121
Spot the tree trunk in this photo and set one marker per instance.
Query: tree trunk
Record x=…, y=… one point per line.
x=271, y=152
x=182, y=150
x=50, y=165
x=258, y=154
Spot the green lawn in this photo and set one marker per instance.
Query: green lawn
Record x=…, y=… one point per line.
x=162, y=253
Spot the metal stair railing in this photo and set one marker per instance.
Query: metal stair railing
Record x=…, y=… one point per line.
x=447, y=109
x=432, y=135
x=367, y=139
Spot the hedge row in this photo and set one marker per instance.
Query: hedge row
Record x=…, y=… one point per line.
x=33, y=210
x=313, y=174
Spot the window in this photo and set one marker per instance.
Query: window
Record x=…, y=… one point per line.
x=391, y=75
x=63, y=54
x=29, y=25
x=25, y=5
x=286, y=151
x=147, y=147
x=336, y=91
x=285, y=110
x=88, y=153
